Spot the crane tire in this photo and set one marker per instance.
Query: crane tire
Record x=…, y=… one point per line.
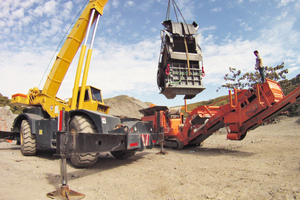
x=28, y=140
x=122, y=154
x=82, y=124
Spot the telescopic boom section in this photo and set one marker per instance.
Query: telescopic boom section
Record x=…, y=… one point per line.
x=70, y=48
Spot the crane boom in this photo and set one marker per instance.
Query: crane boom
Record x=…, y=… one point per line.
x=70, y=48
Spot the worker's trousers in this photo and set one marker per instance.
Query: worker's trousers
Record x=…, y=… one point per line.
x=262, y=74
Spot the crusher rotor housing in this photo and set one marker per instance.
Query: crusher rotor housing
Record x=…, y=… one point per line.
x=180, y=67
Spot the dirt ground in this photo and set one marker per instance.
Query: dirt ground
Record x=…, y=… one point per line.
x=265, y=165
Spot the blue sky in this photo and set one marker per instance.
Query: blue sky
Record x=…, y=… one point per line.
x=127, y=44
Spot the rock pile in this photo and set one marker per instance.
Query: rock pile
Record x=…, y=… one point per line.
x=6, y=118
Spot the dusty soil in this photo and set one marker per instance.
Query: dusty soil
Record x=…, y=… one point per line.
x=265, y=165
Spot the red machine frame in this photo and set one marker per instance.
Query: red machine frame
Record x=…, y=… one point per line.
x=246, y=110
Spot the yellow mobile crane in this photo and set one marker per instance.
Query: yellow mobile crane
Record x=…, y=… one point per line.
x=90, y=97
x=84, y=118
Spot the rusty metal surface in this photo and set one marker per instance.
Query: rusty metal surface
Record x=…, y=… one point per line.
x=65, y=193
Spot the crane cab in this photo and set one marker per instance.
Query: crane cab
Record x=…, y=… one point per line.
x=93, y=100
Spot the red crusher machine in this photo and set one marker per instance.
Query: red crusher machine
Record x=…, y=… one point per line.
x=246, y=110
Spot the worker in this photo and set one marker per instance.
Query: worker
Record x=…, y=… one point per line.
x=260, y=66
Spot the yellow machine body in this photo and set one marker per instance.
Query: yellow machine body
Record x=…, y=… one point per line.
x=46, y=98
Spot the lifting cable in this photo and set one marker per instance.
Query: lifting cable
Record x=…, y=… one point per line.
x=175, y=6
x=71, y=25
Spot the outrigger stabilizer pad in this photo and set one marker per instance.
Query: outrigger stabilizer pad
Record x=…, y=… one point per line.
x=65, y=193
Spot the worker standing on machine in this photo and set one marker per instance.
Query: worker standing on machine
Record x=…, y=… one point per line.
x=260, y=66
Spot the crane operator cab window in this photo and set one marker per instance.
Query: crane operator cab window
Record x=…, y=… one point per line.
x=86, y=95
x=91, y=92
x=96, y=95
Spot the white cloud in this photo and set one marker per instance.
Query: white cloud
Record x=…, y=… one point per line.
x=117, y=16
x=283, y=3
x=217, y=59
x=67, y=10
x=187, y=8
x=4, y=11
x=282, y=15
x=219, y=9
x=28, y=3
x=38, y=11
x=50, y=30
x=68, y=5
x=244, y=25
x=17, y=14
x=26, y=20
x=154, y=30
x=2, y=24
x=129, y=3
x=116, y=67
x=297, y=6
x=50, y=7
x=23, y=70
x=210, y=28
x=115, y=3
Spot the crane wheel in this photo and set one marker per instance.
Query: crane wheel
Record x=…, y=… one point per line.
x=28, y=140
x=122, y=154
x=82, y=124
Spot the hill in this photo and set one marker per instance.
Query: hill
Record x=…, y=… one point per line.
x=125, y=106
